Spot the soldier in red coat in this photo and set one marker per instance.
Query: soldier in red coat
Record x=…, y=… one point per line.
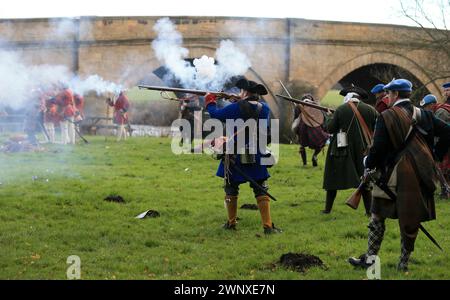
x=51, y=115
x=65, y=102
x=121, y=107
x=442, y=112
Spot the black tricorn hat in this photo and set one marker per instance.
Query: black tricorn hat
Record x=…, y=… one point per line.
x=251, y=86
x=354, y=89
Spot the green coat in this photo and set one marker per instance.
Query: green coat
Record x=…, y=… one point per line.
x=344, y=166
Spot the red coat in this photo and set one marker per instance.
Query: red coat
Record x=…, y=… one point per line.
x=51, y=112
x=121, y=107
x=64, y=100
x=445, y=106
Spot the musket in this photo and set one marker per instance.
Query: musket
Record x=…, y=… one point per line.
x=41, y=124
x=393, y=197
x=303, y=111
x=355, y=198
x=188, y=91
x=326, y=109
x=443, y=181
x=80, y=135
x=251, y=180
x=284, y=88
x=75, y=124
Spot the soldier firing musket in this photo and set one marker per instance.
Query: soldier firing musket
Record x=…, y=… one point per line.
x=308, y=126
x=189, y=91
x=237, y=169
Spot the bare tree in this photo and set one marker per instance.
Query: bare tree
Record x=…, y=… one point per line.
x=432, y=17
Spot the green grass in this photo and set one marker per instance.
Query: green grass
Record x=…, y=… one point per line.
x=42, y=223
x=332, y=99
x=141, y=95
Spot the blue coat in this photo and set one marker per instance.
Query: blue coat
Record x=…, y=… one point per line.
x=255, y=171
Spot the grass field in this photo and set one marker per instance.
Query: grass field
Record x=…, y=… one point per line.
x=51, y=206
x=332, y=99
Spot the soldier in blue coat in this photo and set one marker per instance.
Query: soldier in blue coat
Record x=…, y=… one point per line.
x=249, y=162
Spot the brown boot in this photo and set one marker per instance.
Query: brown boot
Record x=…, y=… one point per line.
x=231, y=205
x=264, y=208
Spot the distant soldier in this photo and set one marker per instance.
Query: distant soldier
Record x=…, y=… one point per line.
x=51, y=115
x=352, y=126
x=190, y=110
x=250, y=107
x=31, y=123
x=309, y=122
x=446, y=90
x=382, y=100
x=79, y=111
x=440, y=111
x=402, y=151
x=121, y=107
x=66, y=109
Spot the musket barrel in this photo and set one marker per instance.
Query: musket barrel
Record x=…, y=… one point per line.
x=305, y=103
x=175, y=90
x=187, y=91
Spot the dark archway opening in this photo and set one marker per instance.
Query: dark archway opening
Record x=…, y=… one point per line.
x=368, y=76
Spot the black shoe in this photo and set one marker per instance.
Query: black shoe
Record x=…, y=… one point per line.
x=402, y=268
x=303, y=155
x=229, y=226
x=272, y=230
x=314, y=161
x=325, y=212
x=361, y=261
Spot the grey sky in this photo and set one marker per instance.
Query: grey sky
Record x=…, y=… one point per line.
x=370, y=11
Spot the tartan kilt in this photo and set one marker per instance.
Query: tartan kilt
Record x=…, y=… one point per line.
x=312, y=137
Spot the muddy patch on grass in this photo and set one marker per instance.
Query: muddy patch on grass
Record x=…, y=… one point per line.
x=300, y=262
x=250, y=206
x=115, y=198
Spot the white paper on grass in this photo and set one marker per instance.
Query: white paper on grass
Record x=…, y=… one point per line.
x=142, y=215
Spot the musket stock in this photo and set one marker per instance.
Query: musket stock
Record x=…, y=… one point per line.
x=355, y=198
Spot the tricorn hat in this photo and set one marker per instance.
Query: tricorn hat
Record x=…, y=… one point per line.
x=251, y=86
x=354, y=89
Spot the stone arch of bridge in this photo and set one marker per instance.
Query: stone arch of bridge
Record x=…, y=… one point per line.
x=378, y=57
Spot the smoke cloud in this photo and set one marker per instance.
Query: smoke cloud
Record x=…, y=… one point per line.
x=205, y=73
x=19, y=80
